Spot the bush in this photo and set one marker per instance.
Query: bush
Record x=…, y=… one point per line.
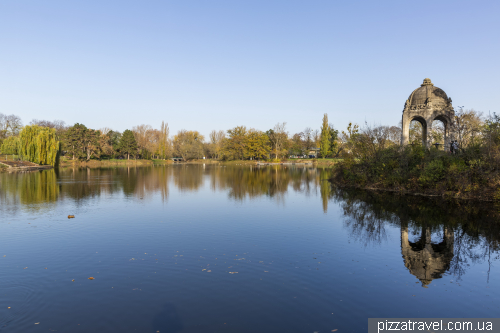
x=416, y=169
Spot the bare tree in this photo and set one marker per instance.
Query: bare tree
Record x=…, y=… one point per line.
x=105, y=130
x=144, y=135
x=468, y=126
x=308, y=138
x=395, y=134
x=278, y=137
x=373, y=139
x=217, y=138
x=316, y=137
x=164, y=146
x=57, y=124
x=10, y=125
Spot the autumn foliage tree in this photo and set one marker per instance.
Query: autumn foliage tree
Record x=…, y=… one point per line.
x=257, y=145
x=242, y=143
x=188, y=145
x=216, y=141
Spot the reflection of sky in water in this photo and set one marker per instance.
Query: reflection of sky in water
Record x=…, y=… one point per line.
x=161, y=242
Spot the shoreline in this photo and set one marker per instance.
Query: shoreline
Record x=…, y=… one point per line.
x=23, y=168
x=108, y=163
x=443, y=195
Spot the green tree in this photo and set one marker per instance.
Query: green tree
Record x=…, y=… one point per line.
x=335, y=148
x=82, y=142
x=39, y=145
x=349, y=139
x=128, y=145
x=114, y=138
x=324, y=144
x=93, y=147
x=10, y=145
x=297, y=144
x=234, y=147
x=73, y=140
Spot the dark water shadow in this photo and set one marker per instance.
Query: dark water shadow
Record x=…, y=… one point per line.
x=438, y=237
x=167, y=320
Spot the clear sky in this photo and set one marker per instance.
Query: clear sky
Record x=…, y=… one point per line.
x=203, y=65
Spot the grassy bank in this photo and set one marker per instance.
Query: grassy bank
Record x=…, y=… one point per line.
x=110, y=162
x=318, y=162
x=115, y=162
x=470, y=174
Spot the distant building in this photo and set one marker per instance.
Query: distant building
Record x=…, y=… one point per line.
x=313, y=152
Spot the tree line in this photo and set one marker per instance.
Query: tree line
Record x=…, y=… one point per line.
x=78, y=142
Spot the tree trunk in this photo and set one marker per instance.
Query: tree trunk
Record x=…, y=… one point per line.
x=128, y=156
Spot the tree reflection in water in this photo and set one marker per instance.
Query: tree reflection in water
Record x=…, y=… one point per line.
x=437, y=236
x=272, y=181
x=81, y=184
x=32, y=189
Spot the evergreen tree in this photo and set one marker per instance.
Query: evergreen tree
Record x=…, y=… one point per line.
x=324, y=145
x=128, y=144
x=74, y=141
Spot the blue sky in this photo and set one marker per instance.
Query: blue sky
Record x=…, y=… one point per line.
x=203, y=65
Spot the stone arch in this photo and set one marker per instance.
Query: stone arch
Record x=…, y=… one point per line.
x=422, y=122
x=447, y=123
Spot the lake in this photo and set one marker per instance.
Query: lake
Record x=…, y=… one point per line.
x=229, y=248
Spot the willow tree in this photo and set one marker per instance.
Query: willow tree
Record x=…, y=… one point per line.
x=38, y=187
x=10, y=145
x=39, y=145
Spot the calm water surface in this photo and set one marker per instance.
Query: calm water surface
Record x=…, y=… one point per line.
x=193, y=248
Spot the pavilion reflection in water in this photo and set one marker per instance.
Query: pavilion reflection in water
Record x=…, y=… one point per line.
x=425, y=259
x=438, y=237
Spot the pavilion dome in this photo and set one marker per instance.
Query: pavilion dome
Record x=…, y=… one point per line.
x=427, y=89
